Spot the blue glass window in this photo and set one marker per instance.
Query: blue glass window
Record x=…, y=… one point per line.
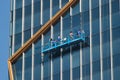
x=47, y=36
x=18, y=4
x=95, y=13
x=46, y=11
x=96, y=47
x=96, y=67
x=18, y=26
x=37, y=14
x=105, y=2
x=105, y=10
x=56, y=29
x=76, y=22
x=18, y=13
x=86, y=29
x=105, y=23
x=116, y=20
x=27, y=24
x=27, y=35
x=107, y=75
x=76, y=8
x=86, y=71
x=95, y=3
x=85, y=17
x=106, y=43
x=76, y=63
x=66, y=65
x=17, y=69
x=95, y=27
x=85, y=5
x=116, y=60
x=37, y=60
x=66, y=24
x=18, y=41
x=47, y=67
x=28, y=2
x=116, y=73
x=56, y=66
x=96, y=70
x=28, y=64
x=36, y=29
x=116, y=33
x=55, y=6
x=115, y=6
x=106, y=63
x=64, y=2
x=86, y=56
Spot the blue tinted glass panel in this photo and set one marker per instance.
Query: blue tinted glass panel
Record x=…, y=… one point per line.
x=106, y=43
x=18, y=13
x=18, y=26
x=66, y=24
x=76, y=62
x=28, y=64
x=18, y=41
x=47, y=37
x=37, y=14
x=95, y=13
x=96, y=67
x=95, y=27
x=105, y=2
x=86, y=29
x=116, y=20
x=107, y=75
x=85, y=55
x=106, y=63
x=115, y=6
x=105, y=10
x=85, y=17
x=76, y=8
x=47, y=67
x=95, y=3
x=96, y=76
x=96, y=47
x=86, y=71
x=105, y=23
x=36, y=29
x=27, y=35
x=18, y=4
x=116, y=73
x=116, y=40
x=116, y=60
x=66, y=65
x=64, y=2
x=55, y=6
x=17, y=69
x=37, y=60
x=56, y=29
x=46, y=11
x=85, y=5
x=76, y=22
x=27, y=23
x=56, y=66
x=28, y=2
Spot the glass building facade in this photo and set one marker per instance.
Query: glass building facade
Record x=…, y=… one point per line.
x=99, y=60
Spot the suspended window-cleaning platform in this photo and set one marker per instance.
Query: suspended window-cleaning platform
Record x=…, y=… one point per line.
x=66, y=42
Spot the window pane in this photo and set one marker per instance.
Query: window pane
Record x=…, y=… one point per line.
x=28, y=64
x=17, y=69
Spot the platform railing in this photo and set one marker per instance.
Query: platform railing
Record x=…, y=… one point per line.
x=54, y=44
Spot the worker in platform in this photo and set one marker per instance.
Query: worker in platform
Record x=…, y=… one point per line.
x=71, y=35
x=59, y=38
x=79, y=33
